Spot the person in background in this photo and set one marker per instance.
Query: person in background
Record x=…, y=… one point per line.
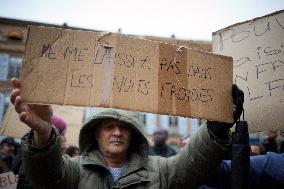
x=266, y=171
x=61, y=127
x=72, y=151
x=281, y=142
x=160, y=147
x=269, y=144
x=7, y=150
x=255, y=150
x=254, y=146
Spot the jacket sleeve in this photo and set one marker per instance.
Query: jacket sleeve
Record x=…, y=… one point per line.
x=200, y=156
x=46, y=167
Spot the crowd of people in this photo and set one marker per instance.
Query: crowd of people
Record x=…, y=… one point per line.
x=10, y=149
x=11, y=155
x=114, y=152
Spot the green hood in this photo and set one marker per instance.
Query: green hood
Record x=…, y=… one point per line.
x=88, y=142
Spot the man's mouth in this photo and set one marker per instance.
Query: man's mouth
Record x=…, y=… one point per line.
x=116, y=141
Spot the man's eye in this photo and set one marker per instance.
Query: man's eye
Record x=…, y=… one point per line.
x=108, y=126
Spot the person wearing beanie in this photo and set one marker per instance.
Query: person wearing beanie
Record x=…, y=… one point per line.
x=61, y=126
x=59, y=123
x=7, y=148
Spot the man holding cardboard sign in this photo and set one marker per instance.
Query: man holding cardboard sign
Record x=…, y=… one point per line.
x=114, y=151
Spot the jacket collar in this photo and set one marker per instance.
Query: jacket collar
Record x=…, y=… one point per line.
x=95, y=158
x=136, y=171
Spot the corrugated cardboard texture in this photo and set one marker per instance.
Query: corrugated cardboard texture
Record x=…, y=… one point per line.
x=87, y=68
x=257, y=47
x=73, y=116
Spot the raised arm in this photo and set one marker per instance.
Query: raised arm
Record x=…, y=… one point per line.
x=43, y=162
x=37, y=117
x=204, y=152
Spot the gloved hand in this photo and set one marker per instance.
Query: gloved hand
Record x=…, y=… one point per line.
x=221, y=129
x=238, y=101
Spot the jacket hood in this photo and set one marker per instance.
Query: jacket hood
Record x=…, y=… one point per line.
x=87, y=139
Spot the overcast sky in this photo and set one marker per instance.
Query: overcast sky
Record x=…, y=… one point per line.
x=187, y=19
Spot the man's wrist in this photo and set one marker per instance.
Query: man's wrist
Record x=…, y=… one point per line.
x=33, y=147
x=42, y=139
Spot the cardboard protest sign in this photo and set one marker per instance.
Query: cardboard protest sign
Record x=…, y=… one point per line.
x=257, y=47
x=73, y=116
x=87, y=68
x=8, y=180
x=11, y=124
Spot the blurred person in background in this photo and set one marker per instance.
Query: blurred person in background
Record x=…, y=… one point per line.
x=254, y=146
x=266, y=171
x=73, y=151
x=160, y=147
x=61, y=127
x=281, y=142
x=269, y=144
x=7, y=150
x=255, y=150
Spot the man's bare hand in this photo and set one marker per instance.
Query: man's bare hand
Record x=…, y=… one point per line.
x=37, y=117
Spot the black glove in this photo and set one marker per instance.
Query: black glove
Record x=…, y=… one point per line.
x=221, y=129
x=238, y=101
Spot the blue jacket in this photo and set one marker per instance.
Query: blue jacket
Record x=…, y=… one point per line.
x=267, y=171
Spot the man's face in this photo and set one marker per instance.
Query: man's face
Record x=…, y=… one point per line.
x=76, y=153
x=255, y=150
x=271, y=135
x=113, y=137
x=8, y=149
x=160, y=137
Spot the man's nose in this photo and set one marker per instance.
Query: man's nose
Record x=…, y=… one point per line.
x=117, y=131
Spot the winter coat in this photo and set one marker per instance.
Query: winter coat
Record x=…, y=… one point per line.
x=46, y=167
x=266, y=171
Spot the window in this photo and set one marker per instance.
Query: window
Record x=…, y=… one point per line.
x=2, y=37
x=4, y=66
x=16, y=36
x=14, y=67
x=142, y=118
x=173, y=121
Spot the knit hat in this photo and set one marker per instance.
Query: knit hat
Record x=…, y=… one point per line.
x=59, y=123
